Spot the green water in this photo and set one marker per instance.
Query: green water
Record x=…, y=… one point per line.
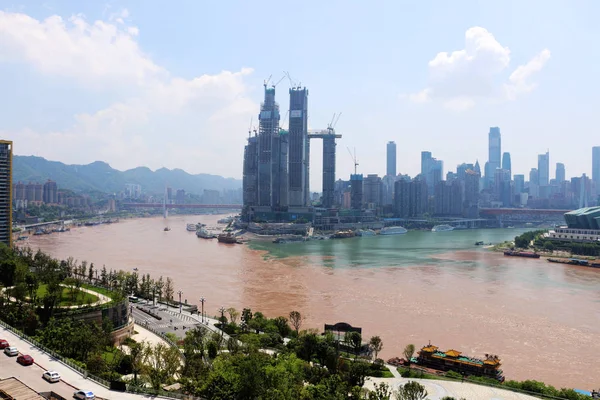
x=412, y=248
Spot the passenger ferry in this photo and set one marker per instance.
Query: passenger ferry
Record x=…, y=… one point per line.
x=393, y=230
x=442, y=228
x=204, y=234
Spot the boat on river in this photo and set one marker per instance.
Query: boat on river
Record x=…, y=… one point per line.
x=393, y=230
x=442, y=228
x=203, y=233
x=343, y=234
x=526, y=254
x=227, y=237
x=191, y=227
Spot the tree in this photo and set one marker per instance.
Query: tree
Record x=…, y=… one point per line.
x=158, y=287
x=137, y=357
x=103, y=276
x=233, y=314
x=246, y=318
x=296, y=320
x=91, y=273
x=281, y=323
x=382, y=392
x=169, y=290
x=411, y=391
x=408, y=352
x=160, y=364
x=376, y=344
x=355, y=340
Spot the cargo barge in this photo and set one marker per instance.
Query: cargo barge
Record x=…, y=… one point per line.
x=576, y=261
x=452, y=360
x=526, y=254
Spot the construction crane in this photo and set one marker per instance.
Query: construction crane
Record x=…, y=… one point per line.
x=353, y=158
x=278, y=82
x=250, y=127
x=333, y=123
x=267, y=81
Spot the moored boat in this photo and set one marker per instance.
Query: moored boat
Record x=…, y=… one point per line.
x=191, y=227
x=343, y=234
x=227, y=237
x=442, y=228
x=526, y=254
x=204, y=234
x=393, y=230
x=480, y=243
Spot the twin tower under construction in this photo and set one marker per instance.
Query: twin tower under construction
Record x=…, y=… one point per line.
x=277, y=161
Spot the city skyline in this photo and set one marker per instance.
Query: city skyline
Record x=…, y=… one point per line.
x=85, y=96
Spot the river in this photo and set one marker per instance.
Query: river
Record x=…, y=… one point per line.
x=542, y=319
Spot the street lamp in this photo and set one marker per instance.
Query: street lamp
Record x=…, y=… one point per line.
x=222, y=311
x=180, y=293
x=202, y=301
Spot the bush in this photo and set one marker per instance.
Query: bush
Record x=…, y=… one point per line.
x=453, y=375
x=125, y=366
x=129, y=342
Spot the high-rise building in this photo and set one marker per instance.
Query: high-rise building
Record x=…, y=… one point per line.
x=6, y=152
x=372, y=191
x=448, y=198
x=329, y=170
x=596, y=166
x=461, y=170
x=268, y=127
x=180, y=196
x=387, y=189
x=391, y=159
x=560, y=172
x=410, y=198
x=506, y=163
x=544, y=169
x=356, y=191
x=169, y=195
x=250, y=178
x=50, y=192
x=279, y=171
x=471, y=202
x=299, y=152
x=502, y=186
x=534, y=183
x=519, y=183
x=432, y=170
x=494, y=151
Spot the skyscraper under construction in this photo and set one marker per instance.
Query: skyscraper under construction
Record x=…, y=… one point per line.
x=299, y=148
x=268, y=127
x=6, y=152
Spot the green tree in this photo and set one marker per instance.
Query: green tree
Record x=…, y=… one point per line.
x=233, y=314
x=408, y=352
x=296, y=320
x=411, y=391
x=382, y=392
x=91, y=273
x=281, y=323
x=103, y=276
x=169, y=290
x=376, y=344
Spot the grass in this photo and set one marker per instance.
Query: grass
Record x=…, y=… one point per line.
x=415, y=373
x=66, y=298
x=108, y=293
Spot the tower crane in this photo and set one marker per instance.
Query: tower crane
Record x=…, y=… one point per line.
x=250, y=127
x=266, y=82
x=353, y=158
x=279, y=81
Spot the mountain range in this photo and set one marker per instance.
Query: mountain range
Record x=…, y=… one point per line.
x=99, y=176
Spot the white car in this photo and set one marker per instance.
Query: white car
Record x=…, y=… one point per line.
x=51, y=376
x=84, y=395
x=11, y=351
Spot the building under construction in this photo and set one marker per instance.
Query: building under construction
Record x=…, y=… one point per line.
x=6, y=153
x=277, y=162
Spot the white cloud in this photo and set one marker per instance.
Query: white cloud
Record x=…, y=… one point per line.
x=163, y=120
x=518, y=80
x=462, y=78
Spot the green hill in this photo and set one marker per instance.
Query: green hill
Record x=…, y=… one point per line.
x=102, y=177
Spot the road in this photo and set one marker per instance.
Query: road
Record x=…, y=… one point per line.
x=32, y=375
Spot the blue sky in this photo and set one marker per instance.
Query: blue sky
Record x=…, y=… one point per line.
x=175, y=84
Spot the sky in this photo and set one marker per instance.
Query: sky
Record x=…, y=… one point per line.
x=178, y=84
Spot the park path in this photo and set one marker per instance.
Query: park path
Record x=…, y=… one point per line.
x=437, y=389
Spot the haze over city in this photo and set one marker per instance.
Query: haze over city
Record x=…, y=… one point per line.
x=126, y=83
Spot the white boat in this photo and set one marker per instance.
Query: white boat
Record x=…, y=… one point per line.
x=393, y=230
x=204, y=234
x=442, y=228
x=191, y=227
x=225, y=220
x=366, y=232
